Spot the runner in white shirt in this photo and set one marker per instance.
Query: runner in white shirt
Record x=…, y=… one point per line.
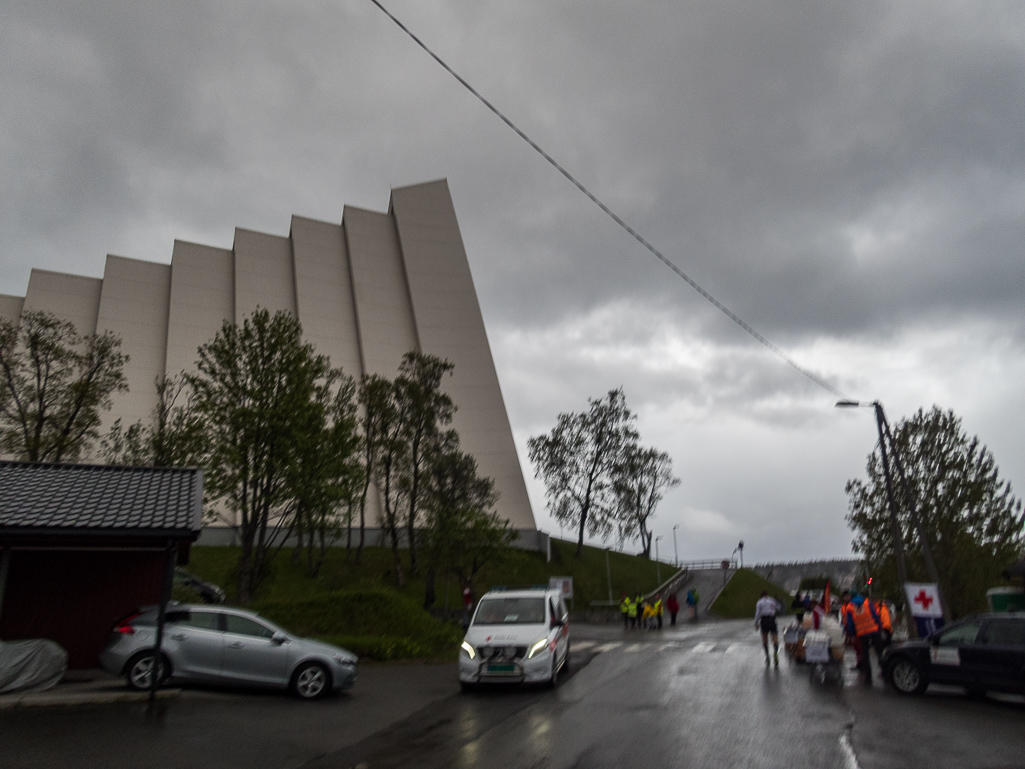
x=765, y=620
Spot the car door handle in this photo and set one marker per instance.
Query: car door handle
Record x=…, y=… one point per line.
x=236, y=645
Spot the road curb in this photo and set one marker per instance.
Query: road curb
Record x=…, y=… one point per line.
x=57, y=699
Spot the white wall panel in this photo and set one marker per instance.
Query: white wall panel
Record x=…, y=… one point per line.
x=383, y=312
x=71, y=297
x=202, y=299
x=10, y=307
x=449, y=324
x=134, y=304
x=263, y=274
x=324, y=297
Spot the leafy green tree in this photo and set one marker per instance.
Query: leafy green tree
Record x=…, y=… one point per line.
x=387, y=473
x=55, y=386
x=972, y=520
x=375, y=407
x=642, y=478
x=462, y=531
x=326, y=476
x=422, y=410
x=577, y=461
x=174, y=436
x=259, y=390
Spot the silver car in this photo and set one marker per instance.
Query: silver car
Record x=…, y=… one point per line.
x=217, y=644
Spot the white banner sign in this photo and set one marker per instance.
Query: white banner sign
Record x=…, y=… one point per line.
x=563, y=584
x=924, y=599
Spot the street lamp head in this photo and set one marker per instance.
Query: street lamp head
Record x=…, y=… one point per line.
x=847, y=404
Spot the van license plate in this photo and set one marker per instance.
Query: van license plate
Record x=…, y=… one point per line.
x=501, y=668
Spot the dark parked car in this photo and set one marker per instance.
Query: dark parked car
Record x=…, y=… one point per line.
x=985, y=652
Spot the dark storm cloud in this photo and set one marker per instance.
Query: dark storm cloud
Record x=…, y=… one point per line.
x=846, y=177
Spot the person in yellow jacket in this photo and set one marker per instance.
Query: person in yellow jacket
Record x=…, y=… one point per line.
x=658, y=609
x=631, y=611
x=649, y=616
x=624, y=609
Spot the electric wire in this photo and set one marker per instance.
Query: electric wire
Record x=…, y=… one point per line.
x=612, y=214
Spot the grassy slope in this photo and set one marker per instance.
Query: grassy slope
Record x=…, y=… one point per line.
x=359, y=606
x=737, y=600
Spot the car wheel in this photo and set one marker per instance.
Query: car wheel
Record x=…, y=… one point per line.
x=139, y=671
x=311, y=680
x=554, y=679
x=906, y=676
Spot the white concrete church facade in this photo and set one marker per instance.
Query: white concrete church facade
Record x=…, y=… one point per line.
x=366, y=291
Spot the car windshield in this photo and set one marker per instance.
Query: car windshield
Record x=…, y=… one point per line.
x=510, y=611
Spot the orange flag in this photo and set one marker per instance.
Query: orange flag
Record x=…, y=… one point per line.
x=825, y=598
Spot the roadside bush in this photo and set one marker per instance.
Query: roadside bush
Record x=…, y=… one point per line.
x=378, y=624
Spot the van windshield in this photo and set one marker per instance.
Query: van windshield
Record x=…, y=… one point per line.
x=510, y=611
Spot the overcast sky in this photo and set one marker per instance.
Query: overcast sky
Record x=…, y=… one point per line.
x=848, y=177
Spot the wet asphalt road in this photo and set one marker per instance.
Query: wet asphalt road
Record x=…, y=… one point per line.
x=695, y=696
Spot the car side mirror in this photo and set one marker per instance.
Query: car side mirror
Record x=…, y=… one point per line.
x=278, y=638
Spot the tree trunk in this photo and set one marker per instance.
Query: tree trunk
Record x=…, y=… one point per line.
x=580, y=539
x=430, y=596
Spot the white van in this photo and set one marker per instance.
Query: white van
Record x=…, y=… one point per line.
x=516, y=636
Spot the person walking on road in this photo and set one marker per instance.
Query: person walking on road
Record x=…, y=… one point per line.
x=798, y=607
x=624, y=609
x=697, y=598
x=864, y=623
x=632, y=609
x=658, y=609
x=673, y=604
x=765, y=620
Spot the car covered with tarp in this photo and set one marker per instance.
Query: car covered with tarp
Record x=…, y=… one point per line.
x=35, y=664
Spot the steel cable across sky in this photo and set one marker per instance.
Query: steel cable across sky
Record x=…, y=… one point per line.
x=779, y=352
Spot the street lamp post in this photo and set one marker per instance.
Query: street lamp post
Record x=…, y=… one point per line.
x=740, y=547
x=658, y=563
x=676, y=553
x=898, y=542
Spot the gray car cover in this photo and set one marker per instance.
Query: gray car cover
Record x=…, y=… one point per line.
x=37, y=664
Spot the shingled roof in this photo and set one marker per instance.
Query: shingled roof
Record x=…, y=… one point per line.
x=99, y=500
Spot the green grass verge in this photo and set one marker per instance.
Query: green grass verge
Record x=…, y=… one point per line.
x=359, y=606
x=379, y=624
x=738, y=599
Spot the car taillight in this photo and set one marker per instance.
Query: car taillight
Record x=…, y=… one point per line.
x=123, y=627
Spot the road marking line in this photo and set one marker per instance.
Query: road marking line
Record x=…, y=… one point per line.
x=633, y=648
x=608, y=647
x=704, y=647
x=583, y=646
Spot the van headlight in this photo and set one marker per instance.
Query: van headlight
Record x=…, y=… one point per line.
x=466, y=647
x=537, y=648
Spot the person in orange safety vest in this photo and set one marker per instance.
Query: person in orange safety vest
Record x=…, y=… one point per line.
x=864, y=624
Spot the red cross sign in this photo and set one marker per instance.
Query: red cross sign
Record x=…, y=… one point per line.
x=924, y=600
